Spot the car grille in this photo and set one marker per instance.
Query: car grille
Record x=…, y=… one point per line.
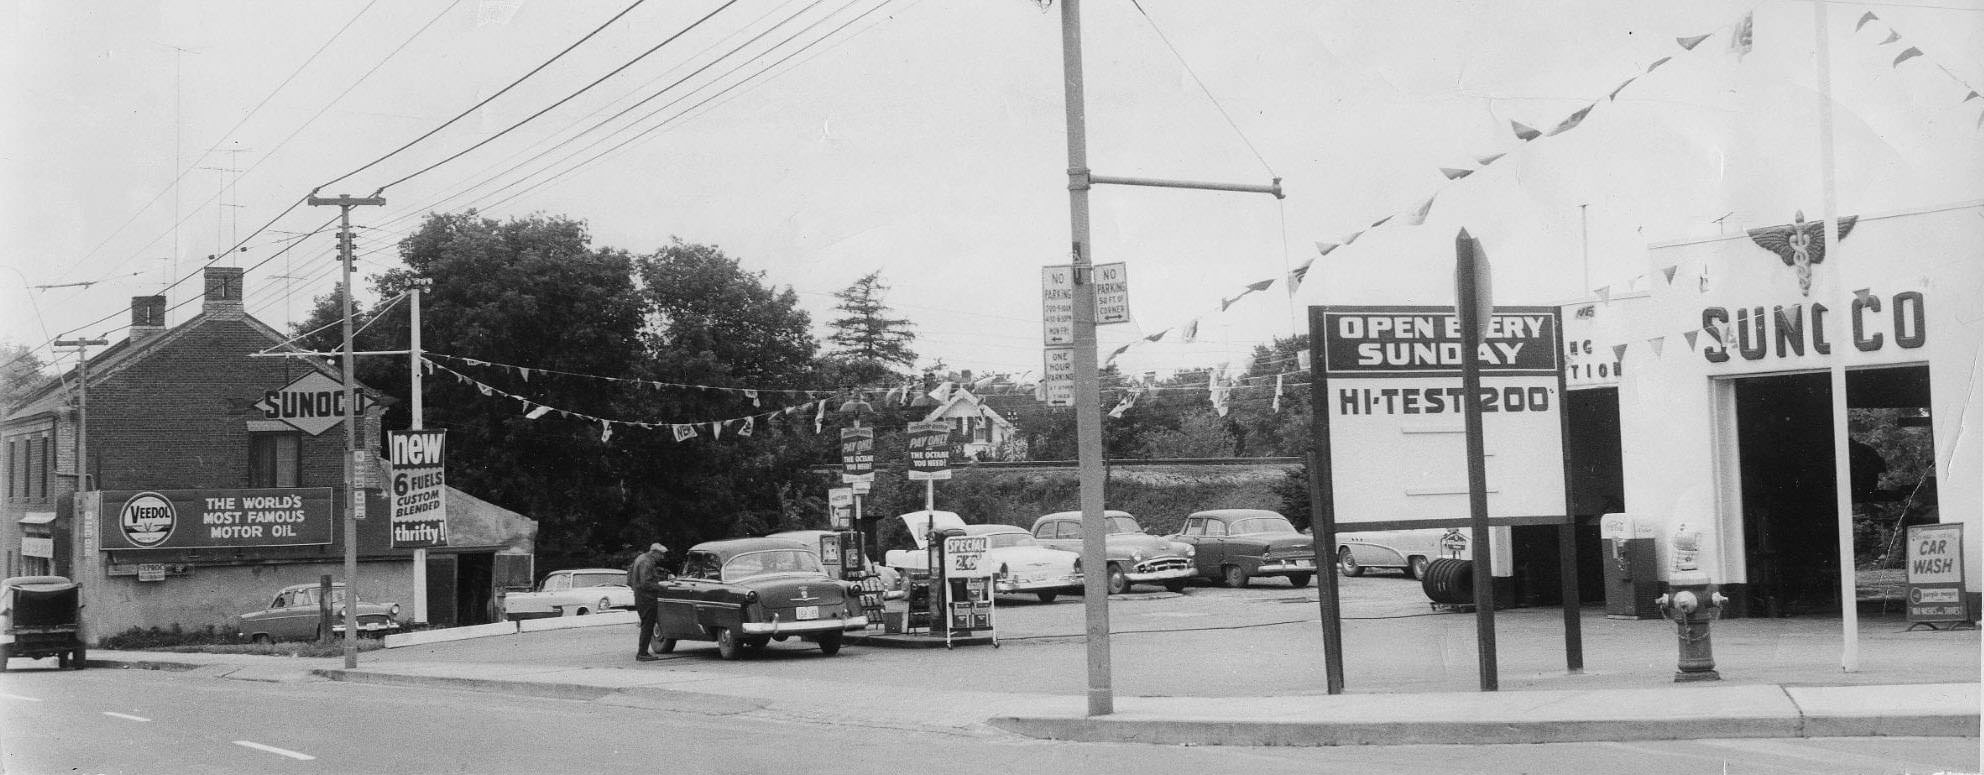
x=1163, y=564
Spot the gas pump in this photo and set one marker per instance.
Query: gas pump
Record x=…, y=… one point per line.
x=842, y=553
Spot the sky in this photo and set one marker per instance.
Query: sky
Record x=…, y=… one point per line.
x=927, y=139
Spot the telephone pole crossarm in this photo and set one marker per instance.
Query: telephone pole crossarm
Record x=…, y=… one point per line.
x=1248, y=188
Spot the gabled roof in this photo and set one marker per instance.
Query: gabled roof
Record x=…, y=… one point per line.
x=963, y=403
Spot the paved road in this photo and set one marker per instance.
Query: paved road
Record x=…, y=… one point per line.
x=141, y=721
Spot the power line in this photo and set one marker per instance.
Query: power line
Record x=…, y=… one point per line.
x=491, y=98
x=1202, y=86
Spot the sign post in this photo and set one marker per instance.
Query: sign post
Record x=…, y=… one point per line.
x=1475, y=312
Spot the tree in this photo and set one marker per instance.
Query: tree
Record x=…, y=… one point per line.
x=867, y=340
x=1199, y=434
x=20, y=375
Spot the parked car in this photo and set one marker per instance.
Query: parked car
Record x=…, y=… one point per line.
x=1238, y=545
x=1022, y=565
x=292, y=615
x=1135, y=557
x=1402, y=550
x=744, y=593
x=39, y=618
x=575, y=592
x=891, y=580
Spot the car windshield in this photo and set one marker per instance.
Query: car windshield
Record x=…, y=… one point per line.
x=1262, y=525
x=615, y=578
x=752, y=564
x=1009, y=540
x=308, y=596
x=1124, y=525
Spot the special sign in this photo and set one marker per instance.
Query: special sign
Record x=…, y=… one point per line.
x=929, y=451
x=201, y=519
x=1391, y=387
x=420, y=492
x=1935, y=573
x=313, y=403
x=857, y=454
x=964, y=557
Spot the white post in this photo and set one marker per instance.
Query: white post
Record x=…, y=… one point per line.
x=1842, y=461
x=415, y=388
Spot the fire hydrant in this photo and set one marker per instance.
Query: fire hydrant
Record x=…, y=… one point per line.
x=1691, y=603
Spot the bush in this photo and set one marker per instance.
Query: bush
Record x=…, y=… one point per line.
x=153, y=639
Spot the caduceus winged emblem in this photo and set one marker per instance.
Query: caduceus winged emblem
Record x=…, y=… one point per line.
x=1800, y=243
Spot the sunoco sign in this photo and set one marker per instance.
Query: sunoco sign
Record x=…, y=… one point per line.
x=314, y=403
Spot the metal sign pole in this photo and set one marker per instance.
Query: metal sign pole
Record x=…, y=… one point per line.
x=1467, y=305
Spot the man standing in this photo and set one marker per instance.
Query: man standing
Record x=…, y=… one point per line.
x=644, y=577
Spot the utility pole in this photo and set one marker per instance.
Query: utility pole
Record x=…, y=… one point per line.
x=1088, y=399
x=82, y=406
x=420, y=286
x=354, y=497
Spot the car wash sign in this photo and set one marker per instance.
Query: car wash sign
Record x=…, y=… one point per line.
x=215, y=519
x=420, y=491
x=1935, y=573
x=1389, y=378
x=314, y=403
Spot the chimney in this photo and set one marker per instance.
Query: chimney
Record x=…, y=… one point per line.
x=147, y=317
x=223, y=300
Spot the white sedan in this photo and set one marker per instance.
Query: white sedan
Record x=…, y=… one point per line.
x=1020, y=565
x=572, y=593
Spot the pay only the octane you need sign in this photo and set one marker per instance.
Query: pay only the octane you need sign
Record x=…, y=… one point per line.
x=215, y=519
x=1391, y=387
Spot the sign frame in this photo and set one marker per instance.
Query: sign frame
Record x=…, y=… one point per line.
x=1937, y=595
x=418, y=490
x=929, y=451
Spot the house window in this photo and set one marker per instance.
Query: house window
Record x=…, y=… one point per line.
x=45, y=463
x=273, y=459
x=14, y=468
x=28, y=464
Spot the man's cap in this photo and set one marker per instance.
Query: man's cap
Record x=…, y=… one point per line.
x=657, y=547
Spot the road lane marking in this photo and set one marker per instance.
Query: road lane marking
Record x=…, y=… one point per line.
x=19, y=697
x=125, y=716
x=274, y=750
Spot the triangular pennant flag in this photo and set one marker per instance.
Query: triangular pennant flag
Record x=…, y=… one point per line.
x=683, y=432
x=716, y=429
x=1352, y=238
x=486, y=390
x=820, y=417
x=1690, y=336
x=1968, y=97
x=1276, y=405
x=1864, y=18
x=523, y=372
x=1129, y=400
x=1669, y=271
x=1743, y=38
x=1911, y=53
x=1572, y=122
x=1228, y=301
x=1689, y=43
x=1621, y=87
x=1619, y=352
x=1604, y=293
x=1324, y=248
x=1157, y=336
x=1260, y=285
x=1381, y=221
x=753, y=395
x=1191, y=331
x=1417, y=217
x=1726, y=332
x=1892, y=37
x=1217, y=391
x=1112, y=356
x=1863, y=294
x=474, y=362
x=1524, y=132
x=1455, y=174
x=1297, y=275
x=1656, y=343
x=537, y=412
x=605, y=431
x=1657, y=63
x=1489, y=159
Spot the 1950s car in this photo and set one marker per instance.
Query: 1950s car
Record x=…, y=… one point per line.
x=1135, y=557
x=293, y=615
x=1410, y=551
x=575, y=592
x=888, y=578
x=1021, y=565
x=745, y=593
x=39, y=618
x=1236, y=545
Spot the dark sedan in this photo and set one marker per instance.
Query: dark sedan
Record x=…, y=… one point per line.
x=744, y=593
x=1237, y=545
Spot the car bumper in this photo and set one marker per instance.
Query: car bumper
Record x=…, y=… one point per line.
x=1048, y=584
x=791, y=628
x=368, y=628
x=1287, y=566
x=1161, y=574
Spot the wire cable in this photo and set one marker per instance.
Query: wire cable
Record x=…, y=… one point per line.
x=1202, y=86
x=491, y=98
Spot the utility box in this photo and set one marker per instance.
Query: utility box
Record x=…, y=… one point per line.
x=1632, y=580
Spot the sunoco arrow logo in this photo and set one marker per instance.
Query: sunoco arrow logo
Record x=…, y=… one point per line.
x=313, y=403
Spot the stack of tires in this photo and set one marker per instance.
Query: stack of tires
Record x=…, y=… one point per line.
x=1449, y=581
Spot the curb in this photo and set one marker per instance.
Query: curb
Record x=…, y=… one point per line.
x=1210, y=732
x=645, y=697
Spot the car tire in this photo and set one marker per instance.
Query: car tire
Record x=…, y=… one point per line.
x=1347, y=563
x=727, y=647
x=4, y=656
x=663, y=646
x=1234, y=576
x=582, y=611
x=1416, y=568
x=1174, y=585
x=830, y=642
x=1118, y=583
x=77, y=658
x=1047, y=597
x=62, y=660
x=1298, y=580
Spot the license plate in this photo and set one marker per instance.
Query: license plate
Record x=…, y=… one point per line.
x=1305, y=562
x=806, y=613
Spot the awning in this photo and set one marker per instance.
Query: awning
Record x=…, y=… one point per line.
x=38, y=518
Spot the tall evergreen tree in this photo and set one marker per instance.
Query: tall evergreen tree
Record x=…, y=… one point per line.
x=869, y=342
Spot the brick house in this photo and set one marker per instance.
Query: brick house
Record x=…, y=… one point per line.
x=179, y=423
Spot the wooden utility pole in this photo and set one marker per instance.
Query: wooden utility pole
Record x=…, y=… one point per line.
x=354, y=497
x=82, y=406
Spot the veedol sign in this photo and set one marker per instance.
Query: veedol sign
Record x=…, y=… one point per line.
x=314, y=403
x=219, y=519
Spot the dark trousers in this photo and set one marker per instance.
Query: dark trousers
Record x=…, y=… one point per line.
x=650, y=610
